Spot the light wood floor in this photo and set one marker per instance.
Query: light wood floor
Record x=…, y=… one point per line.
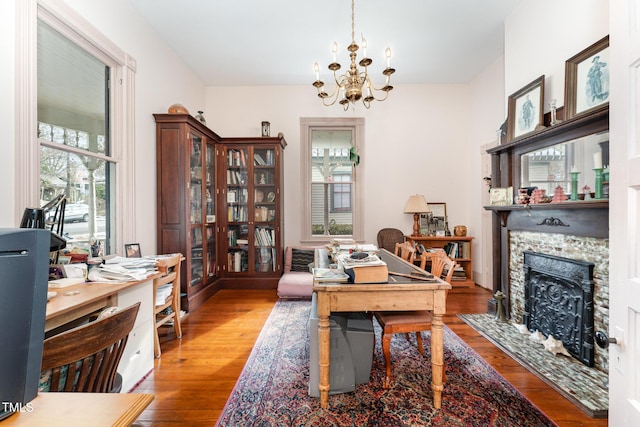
x=195, y=375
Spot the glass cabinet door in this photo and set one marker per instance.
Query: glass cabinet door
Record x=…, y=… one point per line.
x=265, y=199
x=197, y=265
x=237, y=192
x=210, y=210
x=195, y=184
x=195, y=212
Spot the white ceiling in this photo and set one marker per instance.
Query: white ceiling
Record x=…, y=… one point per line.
x=276, y=42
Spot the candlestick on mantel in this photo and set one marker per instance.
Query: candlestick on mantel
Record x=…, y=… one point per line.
x=598, y=172
x=597, y=160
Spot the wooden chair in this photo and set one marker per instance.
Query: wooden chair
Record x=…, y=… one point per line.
x=169, y=309
x=406, y=322
x=388, y=237
x=406, y=251
x=89, y=354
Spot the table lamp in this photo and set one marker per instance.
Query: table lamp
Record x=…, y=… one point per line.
x=416, y=205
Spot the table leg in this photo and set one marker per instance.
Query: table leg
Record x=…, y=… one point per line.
x=324, y=348
x=437, y=359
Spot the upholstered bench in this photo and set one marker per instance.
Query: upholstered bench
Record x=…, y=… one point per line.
x=297, y=279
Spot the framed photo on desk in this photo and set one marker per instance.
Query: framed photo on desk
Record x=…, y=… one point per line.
x=132, y=250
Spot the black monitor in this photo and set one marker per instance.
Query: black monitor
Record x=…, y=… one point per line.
x=24, y=272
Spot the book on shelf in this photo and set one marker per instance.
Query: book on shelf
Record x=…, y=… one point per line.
x=259, y=160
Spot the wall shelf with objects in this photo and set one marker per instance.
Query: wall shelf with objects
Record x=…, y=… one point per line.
x=458, y=248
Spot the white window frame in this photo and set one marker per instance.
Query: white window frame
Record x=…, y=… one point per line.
x=307, y=124
x=73, y=26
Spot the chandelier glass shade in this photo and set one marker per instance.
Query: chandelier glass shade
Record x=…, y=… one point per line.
x=355, y=83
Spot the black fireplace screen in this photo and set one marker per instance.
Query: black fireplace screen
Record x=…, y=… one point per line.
x=559, y=301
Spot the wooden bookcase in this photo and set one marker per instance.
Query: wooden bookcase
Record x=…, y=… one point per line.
x=250, y=172
x=186, y=202
x=463, y=256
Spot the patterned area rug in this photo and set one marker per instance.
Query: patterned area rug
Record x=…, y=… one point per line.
x=273, y=388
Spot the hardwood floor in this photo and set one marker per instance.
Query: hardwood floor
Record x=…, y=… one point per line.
x=195, y=375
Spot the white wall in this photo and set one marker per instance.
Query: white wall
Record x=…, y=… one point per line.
x=487, y=113
x=542, y=34
x=416, y=142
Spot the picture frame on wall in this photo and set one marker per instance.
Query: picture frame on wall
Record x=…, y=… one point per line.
x=526, y=110
x=586, y=75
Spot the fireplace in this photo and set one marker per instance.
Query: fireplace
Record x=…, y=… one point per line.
x=559, y=301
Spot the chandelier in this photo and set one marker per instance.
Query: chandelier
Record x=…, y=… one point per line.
x=351, y=85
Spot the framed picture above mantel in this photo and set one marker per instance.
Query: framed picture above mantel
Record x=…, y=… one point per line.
x=587, y=79
x=526, y=110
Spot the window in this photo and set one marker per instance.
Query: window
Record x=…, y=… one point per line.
x=331, y=184
x=70, y=139
x=341, y=193
x=73, y=131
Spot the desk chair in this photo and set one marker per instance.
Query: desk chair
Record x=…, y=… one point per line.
x=406, y=322
x=406, y=251
x=388, y=237
x=89, y=353
x=169, y=309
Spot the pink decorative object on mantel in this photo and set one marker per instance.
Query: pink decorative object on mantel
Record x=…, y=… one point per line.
x=558, y=195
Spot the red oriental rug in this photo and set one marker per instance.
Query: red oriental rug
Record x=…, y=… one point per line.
x=272, y=389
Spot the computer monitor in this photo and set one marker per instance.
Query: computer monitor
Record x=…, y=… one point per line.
x=24, y=271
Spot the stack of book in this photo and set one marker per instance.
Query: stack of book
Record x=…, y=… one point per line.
x=369, y=269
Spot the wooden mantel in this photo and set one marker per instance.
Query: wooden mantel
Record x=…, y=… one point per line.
x=582, y=218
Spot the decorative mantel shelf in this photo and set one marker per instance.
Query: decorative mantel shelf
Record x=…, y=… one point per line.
x=588, y=219
x=581, y=218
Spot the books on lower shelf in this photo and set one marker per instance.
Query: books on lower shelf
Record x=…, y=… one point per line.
x=458, y=250
x=237, y=261
x=459, y=275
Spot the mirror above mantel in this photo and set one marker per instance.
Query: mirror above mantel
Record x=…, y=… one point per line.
x=552, y=166
x=546, y=158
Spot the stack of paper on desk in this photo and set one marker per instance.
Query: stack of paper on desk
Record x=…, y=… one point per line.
x=366, y=270
x=329, y=275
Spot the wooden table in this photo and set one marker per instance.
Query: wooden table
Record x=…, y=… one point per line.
x=74, y=302
x=81, y=409
x=398, y=294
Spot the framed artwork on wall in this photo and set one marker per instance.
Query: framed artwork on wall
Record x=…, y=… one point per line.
x=586, y=77
x=526, y=109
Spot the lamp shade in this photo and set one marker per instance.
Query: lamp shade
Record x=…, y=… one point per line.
x=416, y=204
